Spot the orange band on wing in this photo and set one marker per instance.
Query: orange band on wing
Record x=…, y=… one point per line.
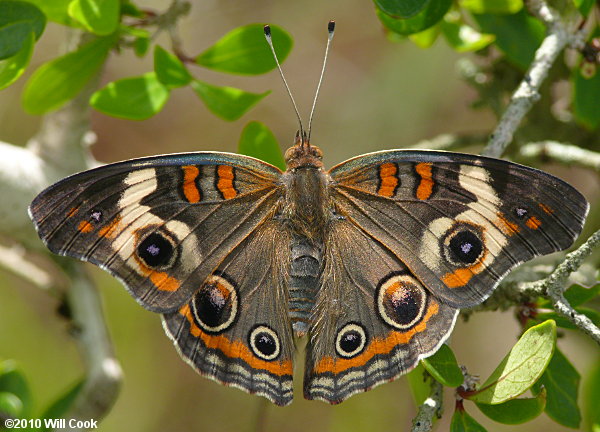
x=377, y=346
x=235, y=349
x=225, y=177
x=425, y=188
x=190, y=189
x=546, y=209
x=533, y=223
x=73, y=212
x=85, y=227
x=112, y=229
x=460, y=277
x=507, y=227
x=163, y=281
x=388, y=179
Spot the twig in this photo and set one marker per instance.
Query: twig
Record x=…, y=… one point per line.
x=561, y=152
x=430, y=409
x=103, y=372
x=527, y=92
x=451, y=141
x=14, y=260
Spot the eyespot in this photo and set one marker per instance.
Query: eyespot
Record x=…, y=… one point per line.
x=401, y=301
x=264, y=342
x=215, y=304
x=463, y=245
x=351, y=340
x=157, y=250
x=96, y=215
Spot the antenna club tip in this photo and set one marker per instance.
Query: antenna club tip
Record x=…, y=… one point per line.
x=267, y=30
x=331, y=26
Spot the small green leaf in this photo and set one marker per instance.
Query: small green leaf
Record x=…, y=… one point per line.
x=10, y=404
x=135, y=98
x=492, y=6
x=419, y=384
x=63, y=403
x=229, y=103
x=584, y=6
x=13, y=381
x=13, y=37
x=586, y=94
x=521, y=367
x=55, y=10
x=463, y=422
x=258, y=141
x=464, y=38
x=433, y=13
x=56, y=82
x=401, y=8
x=592, y=396
x=130, y=9
x=140, y=46
x=12, y=68
x=100, y=17
x=20, y=11
x=518, y=36
x=426, y=38
x=561, y=382
x=245, y=51
x=443, y=367
x=515, y=411
x=169, y=69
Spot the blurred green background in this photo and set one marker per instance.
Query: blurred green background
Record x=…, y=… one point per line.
x=376, y=95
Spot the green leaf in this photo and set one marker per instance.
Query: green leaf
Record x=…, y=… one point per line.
x=464, y=38
x=586, y=94
x=17, y=21
x=10, y=404
x=135, y=98
x=563, y=322
x=584, y=6
x=140, y=46
x=258, y=141
x=433, y=12
x=443, y=367
x=169, y=69
x=245, y=51
x=13, y=381
x=592, y=393
x=59, y=80
x=463, y=422
x=63, y=403
x=401, y=8
x=229, y=103
x=561, y=382
x=419, y=384
x=515, y=411
x=100, y=17
x=55, y=10
x=12, y=68
x=521, y=367
x=426, y=38
x=518, y=36
x=492, y=6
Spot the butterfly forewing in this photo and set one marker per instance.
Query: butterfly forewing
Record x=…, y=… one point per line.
x=161, y=225
x=458, y=222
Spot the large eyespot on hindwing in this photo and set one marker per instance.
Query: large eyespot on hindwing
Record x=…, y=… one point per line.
x=155, y=248
x=463, y=244
x=215, y=305
x=400, y=301
x=350, y=340
x=264, y=342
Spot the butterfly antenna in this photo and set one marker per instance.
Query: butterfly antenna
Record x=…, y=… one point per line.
x=330, y=30
x=267, y=30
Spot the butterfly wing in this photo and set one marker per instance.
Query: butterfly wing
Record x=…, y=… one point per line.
x=458, y=222
x=235, y=329
x=373, y=319
x=162, y=224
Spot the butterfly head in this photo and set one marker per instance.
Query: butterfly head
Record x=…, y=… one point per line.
x=303, y=155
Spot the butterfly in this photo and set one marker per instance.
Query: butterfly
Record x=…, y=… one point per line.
x=370, y=260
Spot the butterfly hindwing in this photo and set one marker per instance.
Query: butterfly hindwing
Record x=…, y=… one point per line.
x=373, y=320
x=235, y=329
x=458, y=222
x=159, y=224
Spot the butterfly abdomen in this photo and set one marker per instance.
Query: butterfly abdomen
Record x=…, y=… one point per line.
x=303, y=284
